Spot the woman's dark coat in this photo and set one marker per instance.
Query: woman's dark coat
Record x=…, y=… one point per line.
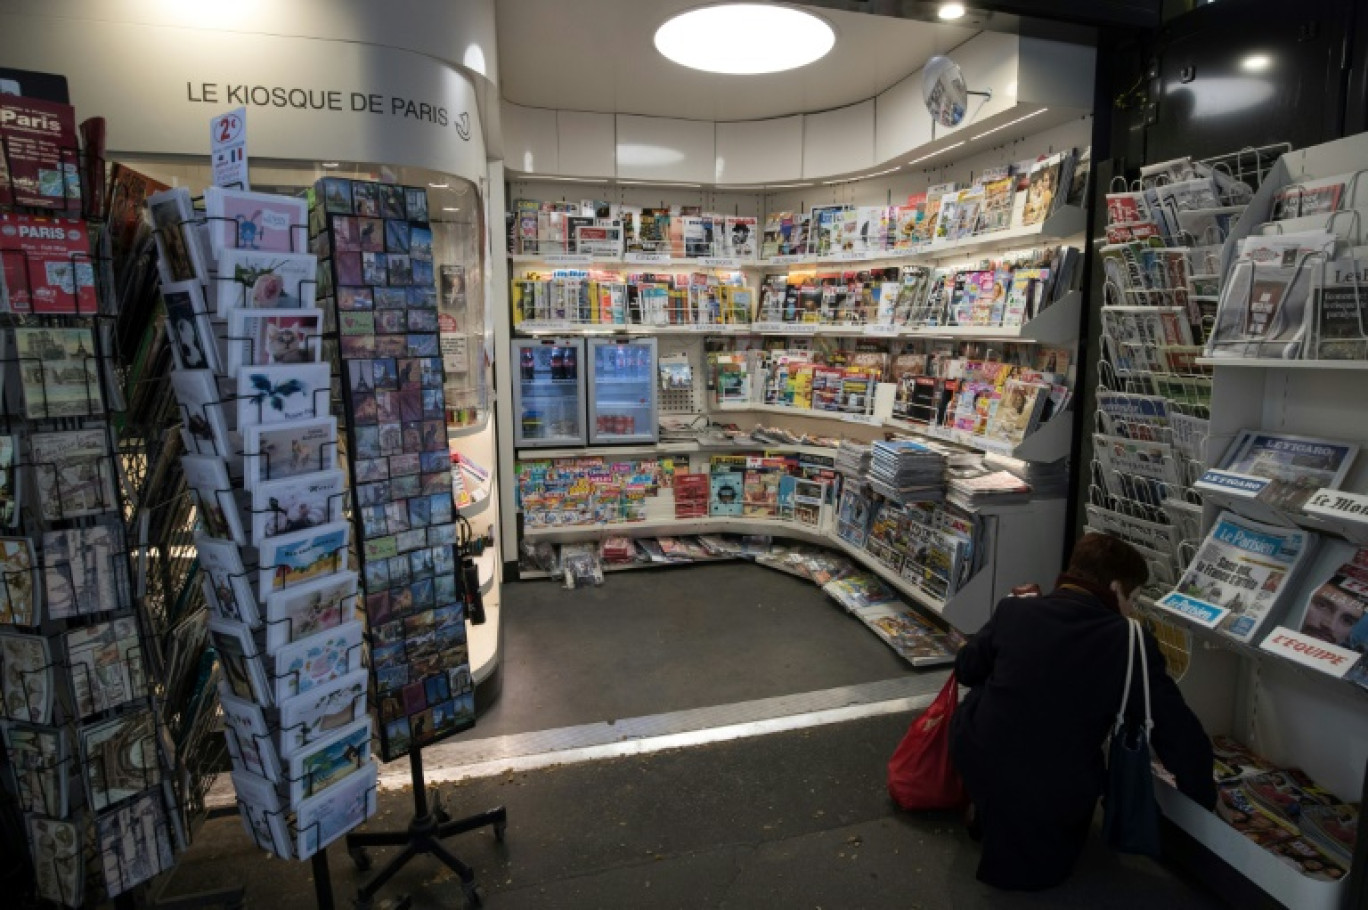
x=1046, y=675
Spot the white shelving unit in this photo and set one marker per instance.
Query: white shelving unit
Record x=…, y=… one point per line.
x=1027, y=552
x=1294, y=715
x=1009, y=563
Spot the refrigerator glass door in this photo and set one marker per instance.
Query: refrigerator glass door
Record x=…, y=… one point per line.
x=549, y=392
x=623, y=391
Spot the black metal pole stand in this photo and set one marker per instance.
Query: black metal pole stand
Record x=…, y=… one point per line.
x=429, y=827
x=322, y=880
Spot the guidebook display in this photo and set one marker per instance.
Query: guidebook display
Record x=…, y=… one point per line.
x=90, y=763
x=379, y=243
x=275, y=553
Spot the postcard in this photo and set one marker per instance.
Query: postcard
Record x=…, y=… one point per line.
x=416, y=203
x=227, y=581
x=296, y=503
x=26, y=684
x=242, y=220
x=204, y=422
x=323, y=818
x=58, y=372
x=302, y=556
x=10, y=488
x=85, y=572
x=264, y=337
x=58, y=869
x=73, y=473
x=327, y=761
x=39, y=759
x=306, y=610
x=247, y=735
x=311, y=662
x=20, y=595
x=120, y=758
x=106, y=665
x=276, y=451
x=322, y=711
x=355, y=299
x=243, y=670
x=280, y=394
x=188, y=329
x=135, y=843
x=215, y=495
x=262, y=814
x=183, y=246
x=251, y=279
x=337, y=196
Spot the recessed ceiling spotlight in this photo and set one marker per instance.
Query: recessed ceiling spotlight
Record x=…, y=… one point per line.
x=1256, y=63
x=950, y=11
x=745, y=38
x=330, y=165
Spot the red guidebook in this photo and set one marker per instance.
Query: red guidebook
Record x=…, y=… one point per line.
x=47, y=266
x=44, y=162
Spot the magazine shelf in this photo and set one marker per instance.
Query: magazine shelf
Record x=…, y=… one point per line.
x=1268, y=363
x=1279, y=879
x=678, y=448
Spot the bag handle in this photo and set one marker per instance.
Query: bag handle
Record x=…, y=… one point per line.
x=1135, y=641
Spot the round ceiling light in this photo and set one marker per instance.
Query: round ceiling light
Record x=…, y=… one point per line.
x=745, y=38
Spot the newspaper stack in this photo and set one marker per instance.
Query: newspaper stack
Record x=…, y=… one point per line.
x=1048, y=480
x=997, y=488
x=852, y=459
x=907, y=471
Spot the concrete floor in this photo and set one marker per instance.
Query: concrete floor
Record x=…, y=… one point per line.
x=797, y=819
x=660, y=640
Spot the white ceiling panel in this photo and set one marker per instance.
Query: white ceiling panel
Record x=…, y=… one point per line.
x=598, y=55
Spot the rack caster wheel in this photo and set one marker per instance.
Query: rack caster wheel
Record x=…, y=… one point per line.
x=362, y=859
x=474, y=899
x=501, y=831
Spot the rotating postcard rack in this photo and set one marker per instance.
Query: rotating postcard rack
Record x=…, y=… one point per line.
x=378, y=286
x=95, y=772
x=273, y=545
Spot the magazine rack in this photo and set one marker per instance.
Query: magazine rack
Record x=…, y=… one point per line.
x=430, y=826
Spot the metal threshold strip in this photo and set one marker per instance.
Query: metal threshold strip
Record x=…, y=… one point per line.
x=473, y=758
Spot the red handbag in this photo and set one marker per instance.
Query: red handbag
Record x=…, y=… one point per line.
x=920, y=773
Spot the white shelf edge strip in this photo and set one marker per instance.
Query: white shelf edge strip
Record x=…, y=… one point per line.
x=469, y=759
x=456, y=761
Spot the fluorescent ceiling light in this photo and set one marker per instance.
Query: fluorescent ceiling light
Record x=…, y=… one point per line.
x=745, y=38
x=330, y=165
x=862, y=176
x=654, y=183
x=450, y=208
x=1256, y=63
x=785, y=186
x=439, y=186
x=565, y=179
x=951, y=11
x=938, y=151
x=1011, y=123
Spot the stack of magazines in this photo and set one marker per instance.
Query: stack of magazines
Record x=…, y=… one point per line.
x=852, y=459
x=997, y=488
x=907, y=471
x=1048, y=480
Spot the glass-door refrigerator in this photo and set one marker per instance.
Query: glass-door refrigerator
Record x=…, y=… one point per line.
x=549, y=395
x=622, y=391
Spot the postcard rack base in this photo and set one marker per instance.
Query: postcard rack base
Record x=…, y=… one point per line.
x=430, y=826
